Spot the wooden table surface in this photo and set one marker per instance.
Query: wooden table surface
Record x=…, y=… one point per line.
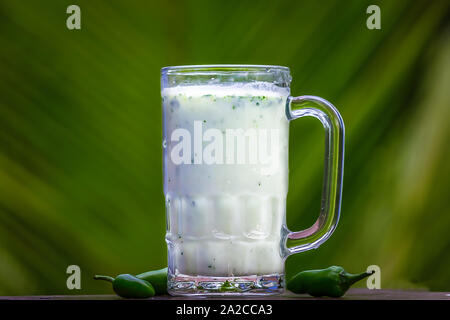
x=352, y=294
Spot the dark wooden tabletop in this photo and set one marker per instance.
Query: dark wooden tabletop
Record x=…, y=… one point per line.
x=352, y=294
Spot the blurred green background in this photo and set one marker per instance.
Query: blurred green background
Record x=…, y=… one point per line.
x=80, y=131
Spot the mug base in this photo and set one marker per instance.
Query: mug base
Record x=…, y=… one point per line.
x=253, y=285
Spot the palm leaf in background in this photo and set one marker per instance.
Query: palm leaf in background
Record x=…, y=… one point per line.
x=80, y=133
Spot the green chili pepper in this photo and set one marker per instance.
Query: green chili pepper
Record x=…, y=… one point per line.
x=332, y=282
x=128, y=286
x=158, y=279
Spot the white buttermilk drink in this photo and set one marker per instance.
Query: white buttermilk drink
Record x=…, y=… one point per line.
x=226, y=167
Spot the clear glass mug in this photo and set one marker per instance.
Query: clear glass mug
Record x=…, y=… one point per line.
x=225, y=153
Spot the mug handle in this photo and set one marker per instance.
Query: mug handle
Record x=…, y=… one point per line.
x=321, y=230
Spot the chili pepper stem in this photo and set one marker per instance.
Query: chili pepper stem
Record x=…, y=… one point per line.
x=106, y=278
x=352, y=278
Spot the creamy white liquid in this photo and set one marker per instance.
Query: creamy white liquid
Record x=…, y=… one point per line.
x=225, y=219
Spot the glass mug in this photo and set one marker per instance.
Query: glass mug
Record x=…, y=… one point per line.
x=225, y=154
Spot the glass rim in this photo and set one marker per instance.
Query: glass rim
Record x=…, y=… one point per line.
x=212, y=68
